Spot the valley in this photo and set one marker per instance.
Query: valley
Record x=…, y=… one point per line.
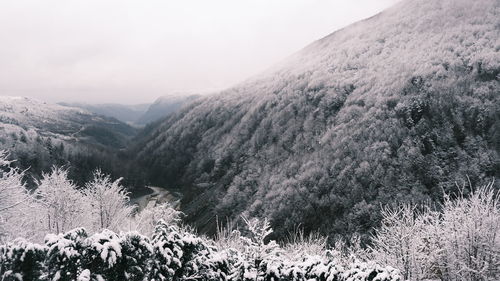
x=376, y=113
x=390, y=109
x=371, y=154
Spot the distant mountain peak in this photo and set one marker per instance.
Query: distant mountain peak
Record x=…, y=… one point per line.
x=164, y=106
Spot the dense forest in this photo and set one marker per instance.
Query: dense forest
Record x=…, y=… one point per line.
x=61, y=231
x=397, y=108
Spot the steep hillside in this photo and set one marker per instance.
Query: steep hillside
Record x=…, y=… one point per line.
x=164, y=106
x=398, y=107
x=40, y=135
x=125, y=113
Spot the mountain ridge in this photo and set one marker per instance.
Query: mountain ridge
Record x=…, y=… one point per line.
x=125, y=113
x=395, y=108
x=141, y=114
x=164, y=106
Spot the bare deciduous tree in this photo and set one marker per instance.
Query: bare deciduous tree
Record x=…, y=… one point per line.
x=107, y=203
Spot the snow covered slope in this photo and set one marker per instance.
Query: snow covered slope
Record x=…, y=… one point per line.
x=39, y=135
x=28, y=112
x=396, y=107
x=125, y=113
x=57, y=121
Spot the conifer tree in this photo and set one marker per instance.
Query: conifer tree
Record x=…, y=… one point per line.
x=22, y=260
x=64, y=261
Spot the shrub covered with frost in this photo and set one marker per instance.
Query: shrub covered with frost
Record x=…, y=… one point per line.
x=64, y=254
x=261, y=260
x=22, y=260
x=180, y=255
x=137, y=252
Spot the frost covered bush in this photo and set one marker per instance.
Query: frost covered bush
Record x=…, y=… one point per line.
x=21, y=260
x=64, y=259
x=182, y=256
x=459, y=242
x=313, y=268
x=256, y=255
x=136, y=252
x=262, y=261
x=298, y=244
x=172, y=254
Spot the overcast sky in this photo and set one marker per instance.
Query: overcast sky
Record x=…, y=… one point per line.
x=132, y=51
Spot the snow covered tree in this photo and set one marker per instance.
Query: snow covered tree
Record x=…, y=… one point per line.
x=395, y=241
x=63, y=205
x=257, y=254
x=471, y=236
x=137, y=252
x=167, y=252
x=12, y=194
x=12, y=191
x=458, y=242
x=179, y=255
x=64, y=259
x=108, y=203
x=18, y=209
x=102, y=253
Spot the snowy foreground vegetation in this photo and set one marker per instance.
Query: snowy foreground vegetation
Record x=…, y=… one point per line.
x=92, y=233
x=169, y=254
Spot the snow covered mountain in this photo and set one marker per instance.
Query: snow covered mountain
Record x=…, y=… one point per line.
x=126, y=113
x=398, y=107
x=66, y=123
x=39, y=135
x=165, y=106
x=140, y=114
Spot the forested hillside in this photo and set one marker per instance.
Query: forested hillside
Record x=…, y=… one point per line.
x=395, y=108
x=64, y=232
x=39, y=135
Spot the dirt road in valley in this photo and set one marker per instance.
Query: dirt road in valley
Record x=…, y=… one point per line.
x=158, y=196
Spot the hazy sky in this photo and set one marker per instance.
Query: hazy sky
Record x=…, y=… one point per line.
x=132, y=51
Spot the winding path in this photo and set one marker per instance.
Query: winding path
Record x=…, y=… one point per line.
x=159, y=196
